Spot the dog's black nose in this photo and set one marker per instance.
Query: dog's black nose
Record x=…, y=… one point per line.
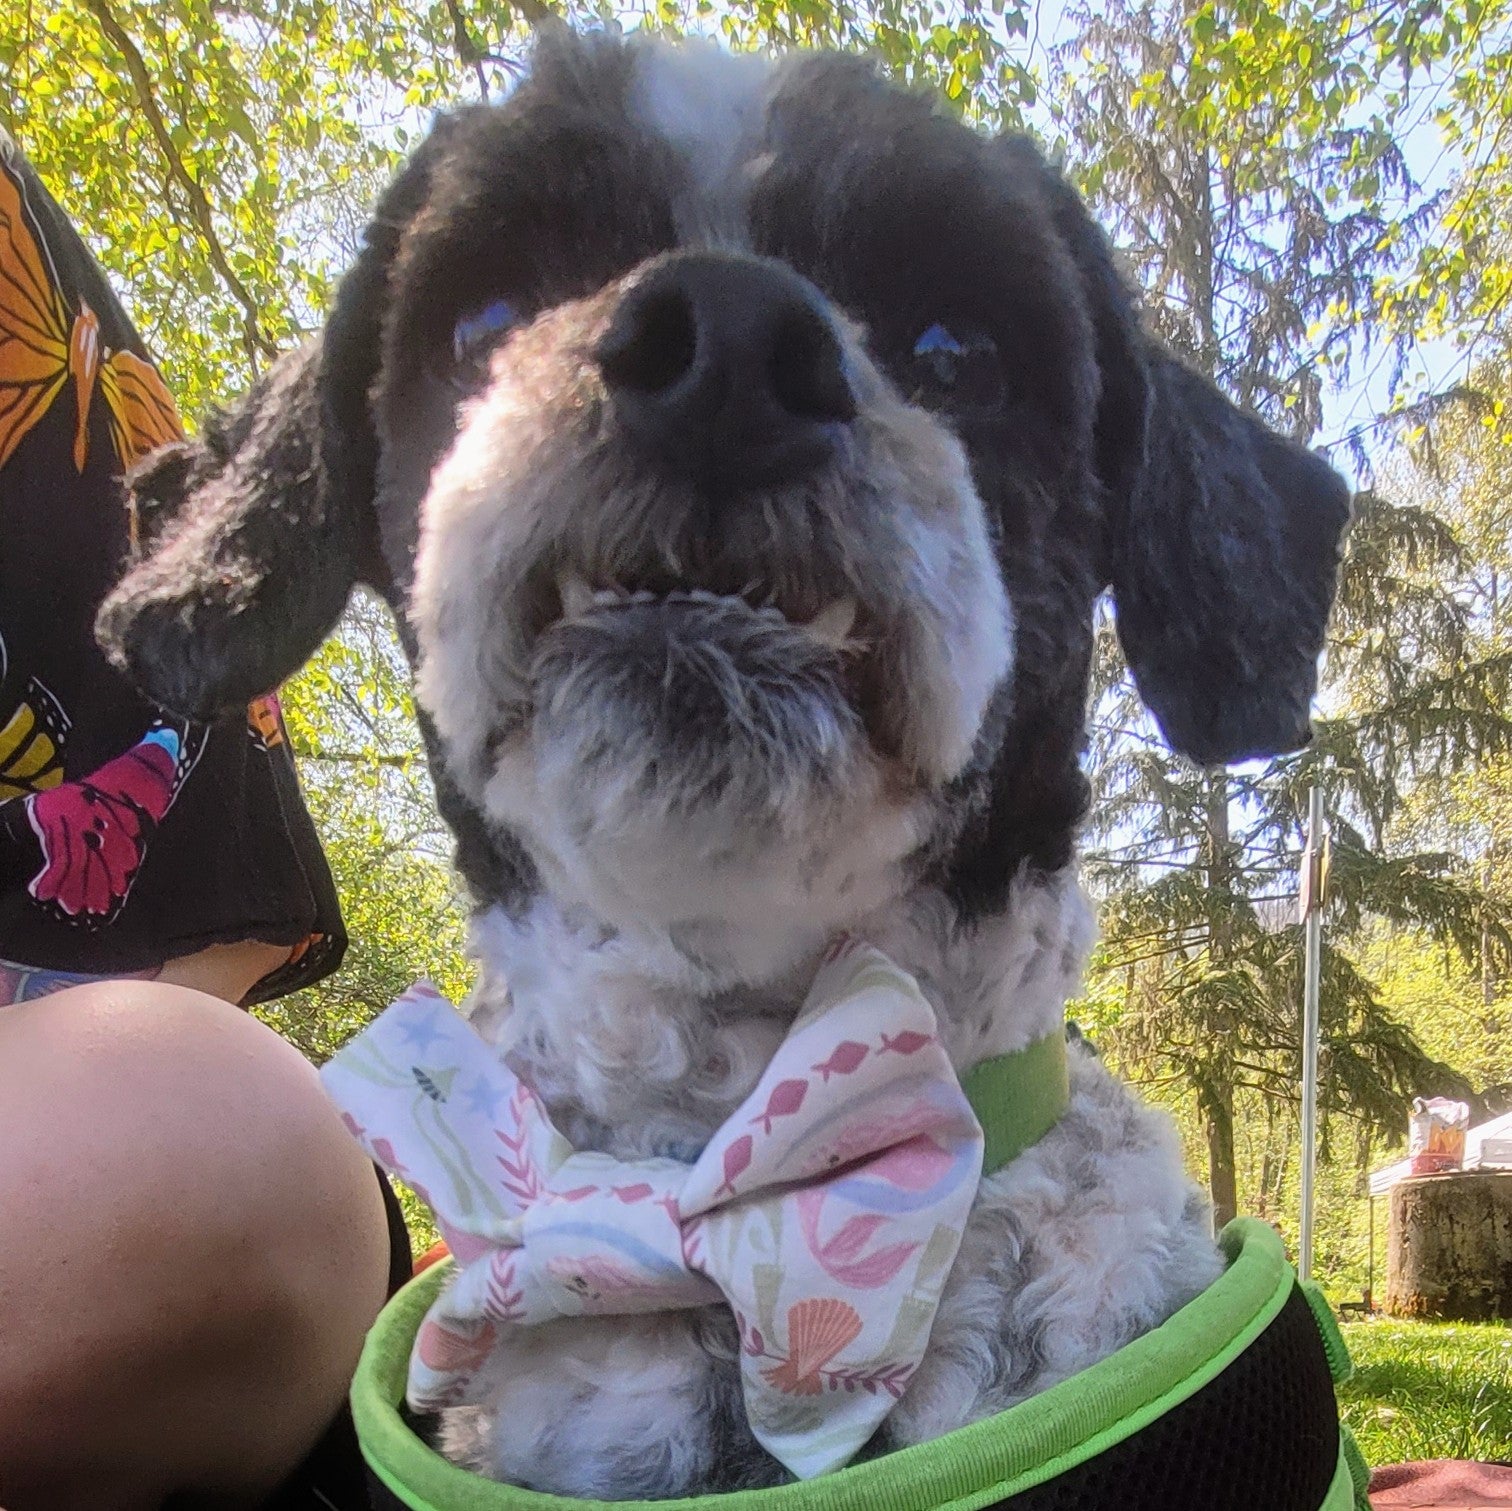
x=728, y=369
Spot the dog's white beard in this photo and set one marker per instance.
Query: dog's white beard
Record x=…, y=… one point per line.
x=694, y=769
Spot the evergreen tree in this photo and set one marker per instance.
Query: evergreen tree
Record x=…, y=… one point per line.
x=1262, y=221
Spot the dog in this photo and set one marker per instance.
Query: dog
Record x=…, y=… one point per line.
x=743, y=446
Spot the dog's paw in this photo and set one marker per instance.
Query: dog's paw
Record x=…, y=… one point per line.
x=619, y=1408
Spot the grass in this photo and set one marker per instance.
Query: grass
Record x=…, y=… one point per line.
x=1429, y=1390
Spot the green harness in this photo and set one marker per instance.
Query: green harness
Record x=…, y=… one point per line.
x=1059, y=1438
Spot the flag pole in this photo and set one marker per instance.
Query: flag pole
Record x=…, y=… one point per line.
x=1314, y=875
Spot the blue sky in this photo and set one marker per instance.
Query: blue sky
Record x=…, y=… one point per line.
x=1367, y=393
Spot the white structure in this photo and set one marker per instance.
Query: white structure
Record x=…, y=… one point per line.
x=1499, y=1128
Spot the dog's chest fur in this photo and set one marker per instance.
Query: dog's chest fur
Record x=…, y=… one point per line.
x=1079, y=1245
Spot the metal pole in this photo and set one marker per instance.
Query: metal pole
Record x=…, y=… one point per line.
x=1313, y=902
x=1370, y=1266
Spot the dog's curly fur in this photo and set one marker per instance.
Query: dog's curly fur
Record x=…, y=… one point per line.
x=687, y=731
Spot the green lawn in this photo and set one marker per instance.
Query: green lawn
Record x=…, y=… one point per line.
x=1429, y=1390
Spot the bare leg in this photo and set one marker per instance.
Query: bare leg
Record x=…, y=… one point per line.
x=225, y=970
x=191, y=1249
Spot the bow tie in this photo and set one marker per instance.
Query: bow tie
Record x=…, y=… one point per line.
x=826, y=1211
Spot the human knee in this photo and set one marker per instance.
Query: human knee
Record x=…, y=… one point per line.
x=162, y=1087
x=178, y=1136
x=187, y=1223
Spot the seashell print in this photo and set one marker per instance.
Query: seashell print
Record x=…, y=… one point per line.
x=818, y=1329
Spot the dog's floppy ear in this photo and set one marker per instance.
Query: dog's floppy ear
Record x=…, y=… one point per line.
x=249, y=554
x=1222, y=541
x=254, y=534
x=1223, y=561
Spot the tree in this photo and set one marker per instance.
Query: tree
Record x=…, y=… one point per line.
x=1460, y=467
x=1258, y=219
x=351, y=724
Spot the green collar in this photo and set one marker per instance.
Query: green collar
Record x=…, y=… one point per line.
x=1019, y=1097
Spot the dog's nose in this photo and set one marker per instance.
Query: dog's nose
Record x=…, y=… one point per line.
x=728, y=369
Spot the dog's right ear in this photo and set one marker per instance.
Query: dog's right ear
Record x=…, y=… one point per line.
x=253, y=535
x=249, y=553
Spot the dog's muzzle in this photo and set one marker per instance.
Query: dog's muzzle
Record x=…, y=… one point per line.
x=711, y=693
x=727, y=375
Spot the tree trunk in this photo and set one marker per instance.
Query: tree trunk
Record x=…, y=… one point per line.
x=1218, y=1111
x=1262, y=1207
x=1449, y=1247
x=1220, y=877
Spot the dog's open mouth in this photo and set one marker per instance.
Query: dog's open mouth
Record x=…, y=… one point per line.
x=781, y=671
x=834, y=626
x=702, y=695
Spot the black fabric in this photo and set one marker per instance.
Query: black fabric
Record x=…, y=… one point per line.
x=1262, y=1436
x=127, y=837
x=380, y=1497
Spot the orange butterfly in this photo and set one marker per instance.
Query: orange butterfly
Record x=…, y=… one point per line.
x=265, y=721
x=42, y=347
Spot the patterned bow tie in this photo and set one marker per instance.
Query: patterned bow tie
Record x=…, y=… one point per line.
x=826, y=1211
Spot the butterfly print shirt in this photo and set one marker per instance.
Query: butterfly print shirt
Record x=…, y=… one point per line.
x=127, y=837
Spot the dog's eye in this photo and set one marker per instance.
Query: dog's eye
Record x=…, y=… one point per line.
x=475, y=335
x=957, y=372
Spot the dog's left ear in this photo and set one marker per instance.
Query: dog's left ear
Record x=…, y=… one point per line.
x=1223, y=560
x=247, y=555
x=1222, y=538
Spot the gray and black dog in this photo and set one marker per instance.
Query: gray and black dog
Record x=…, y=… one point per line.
x=743, y=446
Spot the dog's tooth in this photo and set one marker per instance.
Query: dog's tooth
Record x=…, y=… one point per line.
x=833, y=624
x=577, y=596
x=609, y=597
x=643, y=595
